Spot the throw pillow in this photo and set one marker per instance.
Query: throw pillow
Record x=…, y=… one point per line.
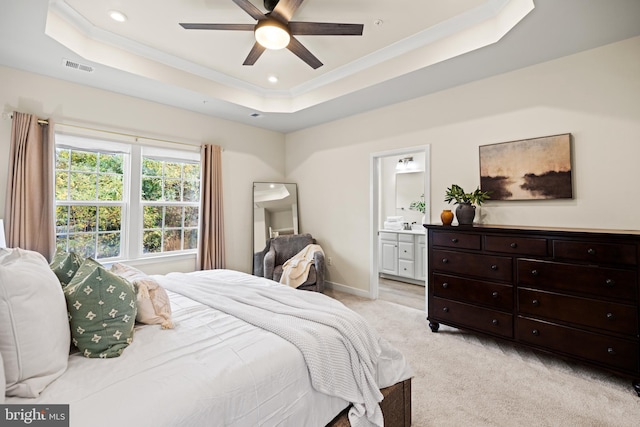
x=65, y=265
x=153, y=303
x=34, y=331
x=102, y=311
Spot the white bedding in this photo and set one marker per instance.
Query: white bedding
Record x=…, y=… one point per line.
x=211, y=370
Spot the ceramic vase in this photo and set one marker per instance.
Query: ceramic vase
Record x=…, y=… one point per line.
x=465, y=212
x=447, y=217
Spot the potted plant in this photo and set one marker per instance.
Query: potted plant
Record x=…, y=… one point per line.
x=466, y=210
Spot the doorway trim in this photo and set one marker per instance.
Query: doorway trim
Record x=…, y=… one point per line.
x=374, y=205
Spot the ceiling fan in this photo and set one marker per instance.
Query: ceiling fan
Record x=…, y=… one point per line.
x=275, y=30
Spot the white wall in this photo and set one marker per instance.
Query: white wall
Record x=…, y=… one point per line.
x=594, y=95
x=250, y=154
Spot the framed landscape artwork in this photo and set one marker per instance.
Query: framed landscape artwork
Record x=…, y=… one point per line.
x=528, y=169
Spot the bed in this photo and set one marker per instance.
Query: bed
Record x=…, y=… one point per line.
x=243, y=351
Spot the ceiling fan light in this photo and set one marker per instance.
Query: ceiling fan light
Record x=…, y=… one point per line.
x=272, y=34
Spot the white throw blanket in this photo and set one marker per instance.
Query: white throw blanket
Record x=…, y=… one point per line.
x=295, y=271
x=341, y=350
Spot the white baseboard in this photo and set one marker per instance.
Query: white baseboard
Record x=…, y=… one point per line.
x=348, y=289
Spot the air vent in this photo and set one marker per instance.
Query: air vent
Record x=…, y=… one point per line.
x=77, y=66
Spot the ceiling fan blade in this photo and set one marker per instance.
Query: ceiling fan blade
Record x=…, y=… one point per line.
x=325, y=29
x=303, y=53
x=255, y=53
x=285, y=9
x=234, y=27
x=250, y=9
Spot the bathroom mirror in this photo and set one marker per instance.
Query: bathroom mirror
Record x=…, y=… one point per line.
x=409, y=188
x=275, y=211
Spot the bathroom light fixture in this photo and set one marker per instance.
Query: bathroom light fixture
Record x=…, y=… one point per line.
x=118, y=16
x=406, y=164
x=272, y=34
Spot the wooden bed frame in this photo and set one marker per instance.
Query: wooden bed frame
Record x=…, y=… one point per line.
x=396, y=407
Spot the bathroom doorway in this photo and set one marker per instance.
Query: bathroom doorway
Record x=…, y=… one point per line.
x=390, y=202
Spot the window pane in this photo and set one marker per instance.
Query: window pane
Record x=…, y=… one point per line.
x=61, y=242
x=82, y=218
x=173, y=216
x=152, y=217
x=172, y=190
x=84, y=244
x=191, y=239
x=110, y=187
x=152, y=189
x=151, y=167
x=108, y=245
x=62, y=185
x=83, y=161
x=62, y=219
x=173, y=170
x=191, y=171
x=191, y=191
x=191, y=216
x=111, y=163
x=152, y=241
x=83, y=186
x=109, y=218
x=172, y=240
x=62, y=159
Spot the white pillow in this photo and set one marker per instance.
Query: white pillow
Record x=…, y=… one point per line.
x=3, y=382
x=35, y=336
x=153, y=302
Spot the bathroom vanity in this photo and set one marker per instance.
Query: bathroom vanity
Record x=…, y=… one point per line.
x=403, y=255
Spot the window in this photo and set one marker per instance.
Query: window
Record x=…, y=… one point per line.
x=170, y=203
x=124, y=201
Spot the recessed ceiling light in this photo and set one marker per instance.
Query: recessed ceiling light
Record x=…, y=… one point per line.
x=273, y=79
x=118, y=16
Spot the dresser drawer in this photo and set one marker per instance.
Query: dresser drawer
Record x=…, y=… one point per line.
x=516, y=245
x=473, y=317
x=483, y=266
x=609, y=316
x=602, y=349
x=604, y=282
x=453, y=239
x=594, y=252
x=489, y=294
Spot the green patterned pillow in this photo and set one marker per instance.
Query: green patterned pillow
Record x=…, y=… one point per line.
x=65, y=265
x=102, y=311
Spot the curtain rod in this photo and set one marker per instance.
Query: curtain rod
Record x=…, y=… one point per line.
x=46, y=122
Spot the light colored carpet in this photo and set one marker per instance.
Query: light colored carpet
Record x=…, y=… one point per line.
x=463, y=380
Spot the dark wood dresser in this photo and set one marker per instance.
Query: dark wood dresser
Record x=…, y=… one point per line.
x=570, y=292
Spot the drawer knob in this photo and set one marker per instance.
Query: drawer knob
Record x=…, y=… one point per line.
x=446, y=309
x=591, y=251
x=495, y=322
x=535, y=302
x=445, y=261
x=445, y=285
x=609, y=283
x=494, y=267
x=454, y=240
x=611, y=351
x=610, y=316
x=535, y=332
x=534, y=272
x=514, y=245
x=495, y=294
